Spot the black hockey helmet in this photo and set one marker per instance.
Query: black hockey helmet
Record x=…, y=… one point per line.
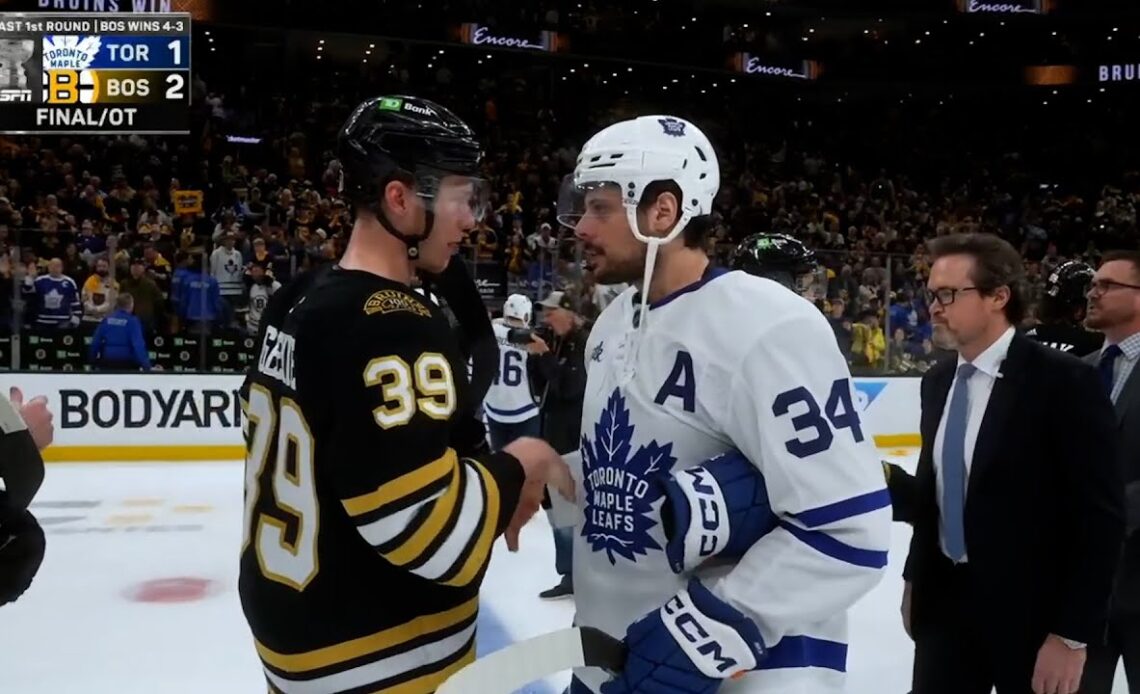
x=1069, y=283
x=410, y=139
x=778, y=257
x=1065, y=289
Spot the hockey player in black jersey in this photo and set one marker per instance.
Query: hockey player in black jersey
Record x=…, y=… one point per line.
x=786, y=260
x=367, y=532
x=1062, y=311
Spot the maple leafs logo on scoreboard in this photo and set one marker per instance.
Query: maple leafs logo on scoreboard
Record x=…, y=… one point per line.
x=66, y=77
x=70, y=52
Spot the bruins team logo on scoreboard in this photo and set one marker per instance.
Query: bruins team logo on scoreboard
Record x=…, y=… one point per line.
x=71, y=87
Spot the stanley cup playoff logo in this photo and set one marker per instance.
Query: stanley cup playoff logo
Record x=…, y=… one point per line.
x=13, y=54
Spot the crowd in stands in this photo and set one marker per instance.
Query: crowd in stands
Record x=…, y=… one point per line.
x=85, y=219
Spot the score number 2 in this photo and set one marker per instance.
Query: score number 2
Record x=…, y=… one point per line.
x=838, y=413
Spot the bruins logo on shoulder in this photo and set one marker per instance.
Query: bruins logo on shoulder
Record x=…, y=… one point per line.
x=394, y=301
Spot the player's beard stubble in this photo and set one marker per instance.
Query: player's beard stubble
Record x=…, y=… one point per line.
x=609, y=268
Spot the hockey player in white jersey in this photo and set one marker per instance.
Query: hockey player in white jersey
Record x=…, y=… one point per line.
x=509, y=405
x=732, y=509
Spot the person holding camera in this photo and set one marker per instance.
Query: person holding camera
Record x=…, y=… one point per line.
x=559, y=374
x=510, y=405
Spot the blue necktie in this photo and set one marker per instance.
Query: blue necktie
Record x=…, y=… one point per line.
x=1107, y=362
x=954, y=465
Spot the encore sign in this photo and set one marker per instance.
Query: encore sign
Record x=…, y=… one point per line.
x=1006, y=6
x=482, y=35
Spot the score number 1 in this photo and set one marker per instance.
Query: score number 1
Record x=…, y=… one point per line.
x=175, y=82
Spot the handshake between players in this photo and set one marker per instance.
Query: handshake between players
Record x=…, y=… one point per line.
x=542, y=466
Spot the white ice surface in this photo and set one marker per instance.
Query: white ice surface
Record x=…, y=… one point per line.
x=113, y=527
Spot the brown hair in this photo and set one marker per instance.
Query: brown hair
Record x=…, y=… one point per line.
x=996, y=264
x=1125, y=255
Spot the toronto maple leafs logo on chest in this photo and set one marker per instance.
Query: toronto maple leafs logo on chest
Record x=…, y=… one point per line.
x=619, y=493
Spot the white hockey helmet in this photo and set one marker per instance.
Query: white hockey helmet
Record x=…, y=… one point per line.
x=628, y=156
x=518, y=307
x=634, y=153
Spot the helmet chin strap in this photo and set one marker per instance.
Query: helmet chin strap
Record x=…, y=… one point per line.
x=641, y=317
x=411, y=242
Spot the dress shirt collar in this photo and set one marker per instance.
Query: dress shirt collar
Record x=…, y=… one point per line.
x=989, y=362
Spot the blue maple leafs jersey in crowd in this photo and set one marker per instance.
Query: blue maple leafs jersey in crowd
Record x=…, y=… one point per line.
x=732, y=362
x=509, y=400
x=58, y=300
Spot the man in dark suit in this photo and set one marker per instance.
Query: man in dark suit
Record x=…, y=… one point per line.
x=1114, y=309
x=1018, y=514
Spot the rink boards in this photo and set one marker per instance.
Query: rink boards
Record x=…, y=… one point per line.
x=197, y=417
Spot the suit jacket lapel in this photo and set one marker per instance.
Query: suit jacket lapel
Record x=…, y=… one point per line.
x=1130, y=392
x=1128, y=395
x=1006, y=389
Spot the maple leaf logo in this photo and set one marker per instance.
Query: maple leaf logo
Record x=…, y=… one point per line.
x=672, y=127
x=70, y=52
x=619, y=497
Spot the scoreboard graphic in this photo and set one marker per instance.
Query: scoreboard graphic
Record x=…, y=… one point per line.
x=94, y=73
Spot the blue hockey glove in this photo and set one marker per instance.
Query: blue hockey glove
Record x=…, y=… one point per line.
x=691, y=645
x=718, y=508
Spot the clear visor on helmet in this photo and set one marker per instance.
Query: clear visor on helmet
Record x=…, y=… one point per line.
x=813, y=285
x=592, y=201
x=451, y=196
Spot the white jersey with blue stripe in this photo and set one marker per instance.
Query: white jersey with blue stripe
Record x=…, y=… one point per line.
x=509, y=399
x=732, y=362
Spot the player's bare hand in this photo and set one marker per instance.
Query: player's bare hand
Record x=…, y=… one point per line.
x=36, y=415
x=530, y=500
x=537, y=345
x=562, y=480
x=535, y=455
x=537, y=459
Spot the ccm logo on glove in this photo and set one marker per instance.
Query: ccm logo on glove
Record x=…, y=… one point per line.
x=712, y=533
x=718, y=508
x=716, y=649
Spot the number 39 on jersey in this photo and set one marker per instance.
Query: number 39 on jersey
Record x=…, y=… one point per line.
x=280, y=443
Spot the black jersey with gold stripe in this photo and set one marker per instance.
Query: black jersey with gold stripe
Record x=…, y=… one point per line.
x=366, y=535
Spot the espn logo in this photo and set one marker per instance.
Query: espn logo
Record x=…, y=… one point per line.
x=11, y=95
x=71, y=87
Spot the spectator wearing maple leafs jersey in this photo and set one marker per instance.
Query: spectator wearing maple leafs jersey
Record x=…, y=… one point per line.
x=228, y=269
x=57, y=298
